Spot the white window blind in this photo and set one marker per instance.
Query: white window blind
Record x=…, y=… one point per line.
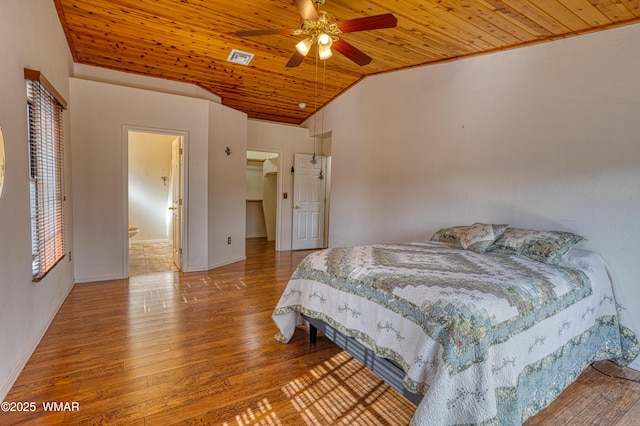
x=46, y=155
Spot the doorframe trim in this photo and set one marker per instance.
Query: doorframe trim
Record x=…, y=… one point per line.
x=126, y=128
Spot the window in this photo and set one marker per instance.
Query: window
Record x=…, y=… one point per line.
x=46, y=155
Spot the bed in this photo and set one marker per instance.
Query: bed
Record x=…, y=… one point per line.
x=483, y=324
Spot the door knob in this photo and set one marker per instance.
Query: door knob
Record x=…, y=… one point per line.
x=296, y=207
x=173, y=208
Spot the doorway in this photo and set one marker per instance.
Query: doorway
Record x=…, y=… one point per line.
x=155, y=201
x=263, y=209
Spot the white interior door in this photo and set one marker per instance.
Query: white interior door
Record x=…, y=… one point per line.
x=176, y=206
x=308, y=202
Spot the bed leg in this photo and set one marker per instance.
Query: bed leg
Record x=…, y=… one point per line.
x=313, y=334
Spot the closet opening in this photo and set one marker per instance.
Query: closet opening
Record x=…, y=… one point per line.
x=263, y=183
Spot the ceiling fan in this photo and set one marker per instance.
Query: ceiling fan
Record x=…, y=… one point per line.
x=323, y=29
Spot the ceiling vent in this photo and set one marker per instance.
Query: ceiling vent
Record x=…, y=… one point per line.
x=240, y=57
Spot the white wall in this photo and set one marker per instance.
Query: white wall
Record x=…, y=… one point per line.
x=254, y=180
x=105, y=75
x=287, y=140
x=543, y=137
x=227, y=185
x=255, y=223
x=100, y=114
x=215, y=183
x=30, y=37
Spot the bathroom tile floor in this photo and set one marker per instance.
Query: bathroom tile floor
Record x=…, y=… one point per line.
x=150, y=258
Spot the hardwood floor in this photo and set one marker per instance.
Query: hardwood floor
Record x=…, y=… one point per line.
x=198, y=348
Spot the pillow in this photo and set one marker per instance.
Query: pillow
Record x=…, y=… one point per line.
x=448, y=235
x=544, y=246
x=479, y=236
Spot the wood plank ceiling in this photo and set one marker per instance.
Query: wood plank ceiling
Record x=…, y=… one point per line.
x=190, y=40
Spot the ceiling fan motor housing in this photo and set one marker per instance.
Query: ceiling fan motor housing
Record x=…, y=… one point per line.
x=325, y=24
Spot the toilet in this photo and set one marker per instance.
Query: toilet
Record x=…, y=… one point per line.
x=133, y=231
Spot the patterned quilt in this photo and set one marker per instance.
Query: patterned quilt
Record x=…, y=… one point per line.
x=488, y=338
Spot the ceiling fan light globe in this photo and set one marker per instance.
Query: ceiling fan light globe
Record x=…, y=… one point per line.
x=303, y=46
x=324, y=52
x=325, y=40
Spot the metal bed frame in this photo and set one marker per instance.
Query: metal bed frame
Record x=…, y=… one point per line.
x=386, y=369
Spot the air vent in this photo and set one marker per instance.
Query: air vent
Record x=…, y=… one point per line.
x=240, y=57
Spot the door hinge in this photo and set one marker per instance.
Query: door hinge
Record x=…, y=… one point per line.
x=180, y=151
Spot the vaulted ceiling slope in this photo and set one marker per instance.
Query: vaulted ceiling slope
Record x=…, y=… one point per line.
x=190, y=40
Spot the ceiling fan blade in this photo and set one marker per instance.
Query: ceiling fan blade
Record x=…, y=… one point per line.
x=263, y=32
x=295, y=60
x=307, y=10
x=351, y=52
x=376, y=22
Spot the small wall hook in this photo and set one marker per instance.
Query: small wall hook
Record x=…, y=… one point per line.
x=228, y=151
